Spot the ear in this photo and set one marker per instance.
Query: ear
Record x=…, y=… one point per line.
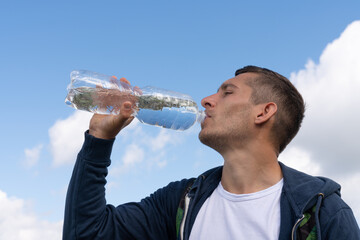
x=265, y=112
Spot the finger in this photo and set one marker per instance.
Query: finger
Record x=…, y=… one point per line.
x=126, y=109
x=113, y=79
x=137, y=90
x=125, y=84
x=125, y=117
x=124, y=80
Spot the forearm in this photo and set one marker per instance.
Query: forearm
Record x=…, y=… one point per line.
x=85, y=201
x=87, y=216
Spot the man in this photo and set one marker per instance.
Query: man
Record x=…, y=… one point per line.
x=249, y=121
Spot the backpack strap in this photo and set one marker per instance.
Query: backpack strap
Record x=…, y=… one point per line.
x=182, y=210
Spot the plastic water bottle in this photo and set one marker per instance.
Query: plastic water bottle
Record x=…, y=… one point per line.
x=103, y=94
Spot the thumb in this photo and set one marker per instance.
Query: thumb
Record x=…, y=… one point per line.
x=126, y=115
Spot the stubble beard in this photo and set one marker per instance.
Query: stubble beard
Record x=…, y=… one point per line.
x=230, y=133
x=213, y=140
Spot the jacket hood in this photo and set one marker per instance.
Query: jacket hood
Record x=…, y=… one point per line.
x=303, y=190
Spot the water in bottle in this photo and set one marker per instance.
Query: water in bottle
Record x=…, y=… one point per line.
x=103, y=94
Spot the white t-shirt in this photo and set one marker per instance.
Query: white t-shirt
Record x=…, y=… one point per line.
x=239, y=216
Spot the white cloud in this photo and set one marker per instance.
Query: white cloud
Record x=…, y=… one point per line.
x=32, y=155
x=133, y=155
x=164, y=138
x=144, y=150
x=331, y=90
x=161, y=140
x=66, y=139
x=157, y=147
x=300, y=159
x=18, y=223
x=67, y=136
x=158, y=158
x=329, y=139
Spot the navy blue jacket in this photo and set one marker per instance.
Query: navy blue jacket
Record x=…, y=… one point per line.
x=87, y=216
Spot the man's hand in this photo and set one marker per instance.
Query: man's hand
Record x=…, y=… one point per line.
x=108, y=126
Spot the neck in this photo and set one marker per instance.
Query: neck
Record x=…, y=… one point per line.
x=248, y=171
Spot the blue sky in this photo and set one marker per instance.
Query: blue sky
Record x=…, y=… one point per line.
x=185, y=46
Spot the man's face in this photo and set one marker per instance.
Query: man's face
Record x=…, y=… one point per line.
x=228, y=114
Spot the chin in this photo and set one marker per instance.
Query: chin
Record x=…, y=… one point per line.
x=202, y=136
x=204, y=132
x=208, y=138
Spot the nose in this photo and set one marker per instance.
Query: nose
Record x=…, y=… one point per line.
x=208, y=102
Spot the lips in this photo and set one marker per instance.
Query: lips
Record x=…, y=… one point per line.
x=207, y=114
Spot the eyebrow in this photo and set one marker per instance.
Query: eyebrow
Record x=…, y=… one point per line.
x=225, y=86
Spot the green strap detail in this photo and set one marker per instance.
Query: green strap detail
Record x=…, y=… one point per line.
x=179, y=217
x=305, y=220
x=181, y=208
x=307, y=227
x=312, y=234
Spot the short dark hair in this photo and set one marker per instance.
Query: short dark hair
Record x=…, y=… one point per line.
x=270, y=86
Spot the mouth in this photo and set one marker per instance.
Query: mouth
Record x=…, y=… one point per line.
x=207, y=115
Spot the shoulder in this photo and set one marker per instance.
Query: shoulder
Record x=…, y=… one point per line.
x=302, y=189
x=334, y=210
x=178, y=186
x=337, y=219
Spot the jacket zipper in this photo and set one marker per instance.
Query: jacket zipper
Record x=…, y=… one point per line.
x=297, y=222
